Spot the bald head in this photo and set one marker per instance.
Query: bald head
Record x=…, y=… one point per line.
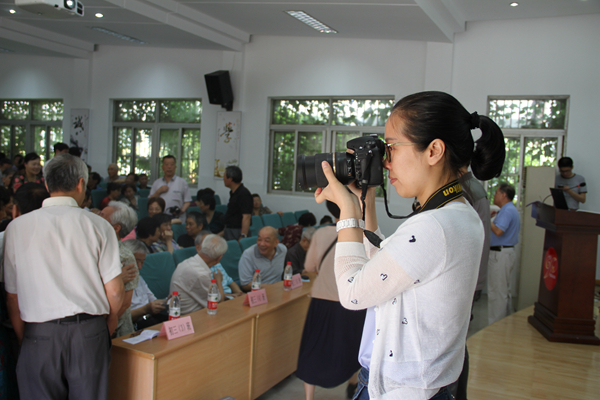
x=113, y=170
x=267, y=242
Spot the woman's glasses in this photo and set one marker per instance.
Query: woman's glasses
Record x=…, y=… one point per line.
x=388, y=149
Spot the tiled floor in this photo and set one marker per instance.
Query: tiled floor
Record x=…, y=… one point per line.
x=292, y=388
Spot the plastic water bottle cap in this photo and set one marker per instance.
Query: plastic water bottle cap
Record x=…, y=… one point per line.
x=257, y=270
x=176, y=293
x=213, y=281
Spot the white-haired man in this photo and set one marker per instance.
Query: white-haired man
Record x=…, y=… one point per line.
x=65, y=333
x=192, y=276
x=123, y=219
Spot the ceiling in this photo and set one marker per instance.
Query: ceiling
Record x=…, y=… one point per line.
x=229, y=24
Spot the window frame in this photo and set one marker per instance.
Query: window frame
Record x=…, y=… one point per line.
x=328, y=131
x=30, y=124
x=523, y=133
x=155, y=127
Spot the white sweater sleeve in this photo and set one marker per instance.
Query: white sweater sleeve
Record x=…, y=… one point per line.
x=414, y=254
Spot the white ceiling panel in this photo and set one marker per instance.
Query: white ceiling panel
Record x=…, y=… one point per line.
x=229, y=24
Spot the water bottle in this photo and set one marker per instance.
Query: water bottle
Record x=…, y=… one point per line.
x=256, y=280
x=174, y=306
x=287, y=276
x=213, y=297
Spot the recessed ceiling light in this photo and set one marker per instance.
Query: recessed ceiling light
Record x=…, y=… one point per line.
x=310, y=21
x=12, y=11
x=117, y=34
x=514, y=4
x=99, y=15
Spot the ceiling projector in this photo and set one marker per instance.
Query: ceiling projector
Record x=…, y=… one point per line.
x=52, y=8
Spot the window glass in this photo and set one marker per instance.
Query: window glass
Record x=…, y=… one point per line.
x=363, y=112
x=5, y=139
x=190, y=155
x=529, y=114
x=180, y=111
x=143, y=151
x=510, y=169
x=169, y=142
x=135, y=111
x=47, y=110
x=300, y=112
x=14, y=109
x=19, y=142
x=39, y=133
x=283, y=161
x=124, y=155
x=309, y=144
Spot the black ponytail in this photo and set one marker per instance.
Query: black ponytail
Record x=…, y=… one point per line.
x=490, y=151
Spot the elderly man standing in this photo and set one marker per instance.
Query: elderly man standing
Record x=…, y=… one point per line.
x=505, y=236
x=173, y=189
x=192, y=276
x=123, y=219
x=267, y=255
x=64, y=292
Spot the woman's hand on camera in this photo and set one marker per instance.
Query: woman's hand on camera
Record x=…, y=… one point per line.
x=369, y=199
x=337, y=193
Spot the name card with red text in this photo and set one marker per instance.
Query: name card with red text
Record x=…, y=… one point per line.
x=256, y=298
x=296, y=281
x=177, y=328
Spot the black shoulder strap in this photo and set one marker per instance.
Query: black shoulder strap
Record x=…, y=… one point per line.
x=327, y=252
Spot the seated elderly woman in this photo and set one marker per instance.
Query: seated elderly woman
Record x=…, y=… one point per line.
x=156, y=205
x=146, y=310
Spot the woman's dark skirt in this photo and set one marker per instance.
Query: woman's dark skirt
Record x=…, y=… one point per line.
x=330, y=344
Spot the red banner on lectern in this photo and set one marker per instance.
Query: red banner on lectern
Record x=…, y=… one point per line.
x=550, y=268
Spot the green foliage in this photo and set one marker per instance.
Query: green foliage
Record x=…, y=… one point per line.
x=510, y=169
x=135, y=111
x=18, y=145
x=5, y=139
x=124, y=143
x=529, y=114
x=14, y=109
x=47, y=110
x=143, y=152
x=353, y=112
x=283, y=161
x=190, y=154
x=300, y=112
x=183, y=111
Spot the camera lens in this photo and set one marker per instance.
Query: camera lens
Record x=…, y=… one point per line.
x=309, y=172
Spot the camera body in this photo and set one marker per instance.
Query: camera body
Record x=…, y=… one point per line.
x=365, y=165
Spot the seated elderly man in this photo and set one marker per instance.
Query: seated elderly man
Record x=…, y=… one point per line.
x=123, y=219
x=192, y=276
x=267, y=255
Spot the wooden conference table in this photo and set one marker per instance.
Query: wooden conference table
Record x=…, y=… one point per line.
x=240, y=352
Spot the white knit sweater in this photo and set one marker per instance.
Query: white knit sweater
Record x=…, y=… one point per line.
x=421, y=285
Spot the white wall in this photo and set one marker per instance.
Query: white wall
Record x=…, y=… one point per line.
x=546, y=56
x=284, y=66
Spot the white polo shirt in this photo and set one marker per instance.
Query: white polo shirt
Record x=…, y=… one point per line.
x=177, y=195
x=57, y=260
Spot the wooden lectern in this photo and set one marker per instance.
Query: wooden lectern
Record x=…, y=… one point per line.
x=564, y=310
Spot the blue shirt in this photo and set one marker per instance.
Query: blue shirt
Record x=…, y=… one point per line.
x=226, y=278
x=509, y=221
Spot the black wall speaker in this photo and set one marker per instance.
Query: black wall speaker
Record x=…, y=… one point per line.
x=218, y=86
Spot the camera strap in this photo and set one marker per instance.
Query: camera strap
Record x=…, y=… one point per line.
x=447, y=193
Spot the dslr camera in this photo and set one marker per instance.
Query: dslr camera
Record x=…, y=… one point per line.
x=365, y=165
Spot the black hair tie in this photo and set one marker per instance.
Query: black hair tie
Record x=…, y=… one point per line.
x=474, y=120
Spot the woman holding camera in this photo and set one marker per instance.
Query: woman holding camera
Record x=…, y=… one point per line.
x=418, y=287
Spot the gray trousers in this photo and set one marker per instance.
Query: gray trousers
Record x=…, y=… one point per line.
x=232, y=233
x=64, y=361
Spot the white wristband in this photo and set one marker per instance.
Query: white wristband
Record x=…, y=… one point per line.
x=349, y=223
